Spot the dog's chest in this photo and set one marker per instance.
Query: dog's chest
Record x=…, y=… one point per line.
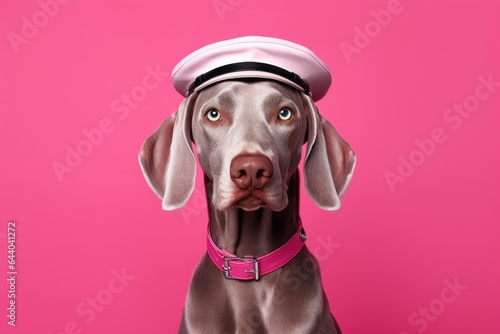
x=265, y=307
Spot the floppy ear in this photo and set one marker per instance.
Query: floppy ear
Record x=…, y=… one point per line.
x=329, y=161
x=167, y=158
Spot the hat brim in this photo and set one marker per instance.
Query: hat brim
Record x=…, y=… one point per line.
x=248, y=75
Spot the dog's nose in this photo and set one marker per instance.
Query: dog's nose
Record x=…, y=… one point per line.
x=251, y=171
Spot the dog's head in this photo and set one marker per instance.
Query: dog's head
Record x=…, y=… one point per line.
x=248, y=136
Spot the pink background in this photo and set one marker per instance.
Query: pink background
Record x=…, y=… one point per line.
x=393, y=249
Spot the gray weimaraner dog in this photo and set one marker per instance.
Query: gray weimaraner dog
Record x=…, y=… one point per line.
x=248, y=136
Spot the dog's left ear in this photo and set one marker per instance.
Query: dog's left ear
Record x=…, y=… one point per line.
x=329, y=161
x=167, y=158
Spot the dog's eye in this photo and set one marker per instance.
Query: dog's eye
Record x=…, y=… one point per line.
x=285, y=114
x=213, y=115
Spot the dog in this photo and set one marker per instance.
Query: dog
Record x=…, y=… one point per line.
x=248, y=135
x=249, y=109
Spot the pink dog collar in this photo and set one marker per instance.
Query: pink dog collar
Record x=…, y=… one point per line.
x=251, y=268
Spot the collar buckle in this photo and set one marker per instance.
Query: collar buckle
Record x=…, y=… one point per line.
x=226, y=267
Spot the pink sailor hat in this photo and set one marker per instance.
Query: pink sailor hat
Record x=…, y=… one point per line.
x=253, y=57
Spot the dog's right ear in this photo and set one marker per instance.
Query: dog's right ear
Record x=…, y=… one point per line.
x=167, y=160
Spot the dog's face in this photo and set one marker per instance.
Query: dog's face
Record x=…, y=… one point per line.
x=248, y=136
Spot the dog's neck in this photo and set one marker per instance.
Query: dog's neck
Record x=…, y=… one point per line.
x=254, y=232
